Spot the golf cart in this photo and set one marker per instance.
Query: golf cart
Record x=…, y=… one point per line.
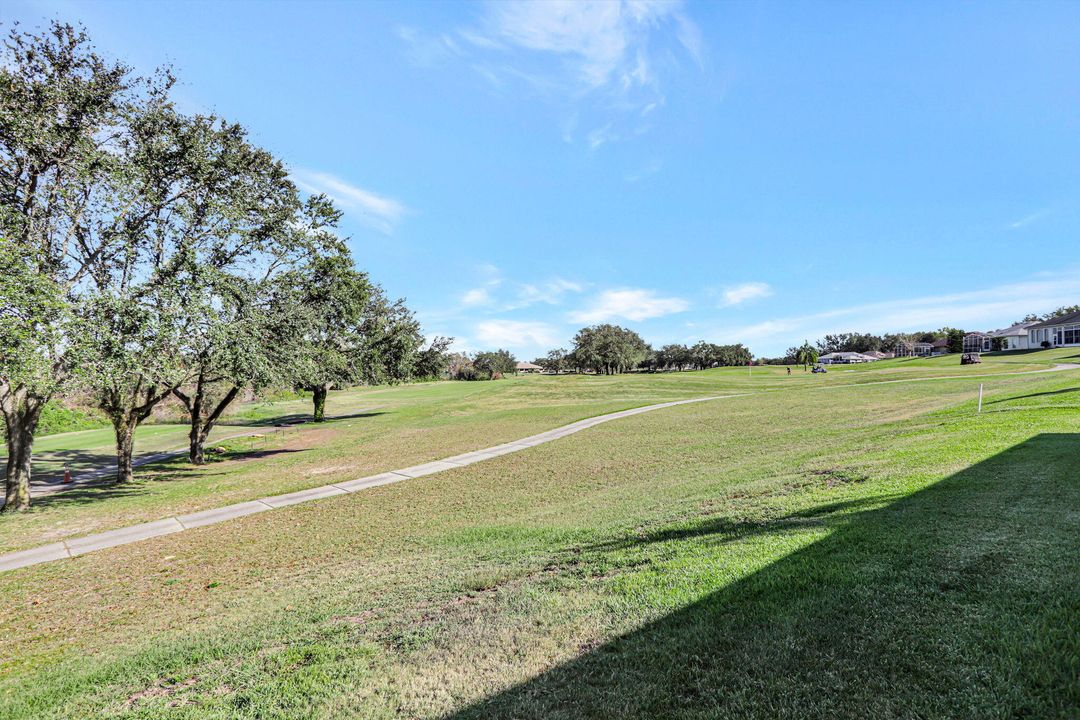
x=970, y=358
x=819, y=369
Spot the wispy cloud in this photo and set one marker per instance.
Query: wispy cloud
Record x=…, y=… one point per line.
x=649, y=169
x=601, y=135
x=985, y=309
x=630, y=304
x=1028, y=219
x=428, y=50
x=377, y=211
x=738, y=294
x=515, y=334
x=550, y=292
x=600, y=41
x=607, y=57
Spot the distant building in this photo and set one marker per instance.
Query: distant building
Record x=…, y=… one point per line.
x=939, y=346
x=914, y=349
x=878, y=355
x=845, y=358
x=1060, y=331
x=1016, y=337
x=528, y=367
x=978, y=342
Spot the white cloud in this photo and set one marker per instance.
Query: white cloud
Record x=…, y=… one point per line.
x=515, y=334
x=377, y=211
x=739, y=294
x=476, y=296
x=630, y=304
x=971, y=310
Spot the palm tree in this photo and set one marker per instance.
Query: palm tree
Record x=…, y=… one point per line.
x=807, y=355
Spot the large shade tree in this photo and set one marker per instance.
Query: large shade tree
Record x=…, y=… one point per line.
x=608, y=349
x=63, y=120
x=209, y=205
x=352, y=334
x=242, y=331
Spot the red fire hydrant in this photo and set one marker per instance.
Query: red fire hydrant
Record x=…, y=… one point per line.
x=67, y=474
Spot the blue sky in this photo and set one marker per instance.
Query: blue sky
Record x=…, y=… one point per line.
x=736, y=172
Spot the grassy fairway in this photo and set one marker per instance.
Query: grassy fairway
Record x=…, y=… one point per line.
x=381, y=429
x=860, y=550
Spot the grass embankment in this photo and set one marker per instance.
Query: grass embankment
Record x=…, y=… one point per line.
x=867, y=551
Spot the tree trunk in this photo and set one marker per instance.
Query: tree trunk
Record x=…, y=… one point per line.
x=201, y=426
x=197, y=441
x=17, y=490
x=319, y=398
x=125, y=447
x=21, y=414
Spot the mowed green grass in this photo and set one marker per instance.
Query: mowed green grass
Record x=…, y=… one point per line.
x=865, y=550
x=380, y=429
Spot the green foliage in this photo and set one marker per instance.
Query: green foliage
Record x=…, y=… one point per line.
x=148, y=251
x=490, y=365
x=955, y=338
x=494, y=364
x=433, y=362
x=349, y=332
x=58, y=418
x=556, y=361
x=608, y=349
x=806, y=355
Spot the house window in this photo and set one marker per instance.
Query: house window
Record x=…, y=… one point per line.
x=1070, y=335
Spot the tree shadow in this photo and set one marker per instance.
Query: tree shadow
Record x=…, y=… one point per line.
x=955, y=601
x=1038, y=394
x=86, y=494
x=297, y=419
x=726, y=529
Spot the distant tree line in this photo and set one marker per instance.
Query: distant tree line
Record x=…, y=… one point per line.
x=148, y=254
x=610, y=349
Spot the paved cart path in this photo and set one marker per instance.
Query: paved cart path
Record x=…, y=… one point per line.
x=134, y=533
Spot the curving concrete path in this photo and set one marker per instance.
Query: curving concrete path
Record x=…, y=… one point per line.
x=144, y=531
x=134, y=533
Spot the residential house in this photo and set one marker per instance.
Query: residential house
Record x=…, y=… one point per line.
x=878, y=355
x=1015, y=337
x=939, y=346
x=1060, y=331
x=845, y=358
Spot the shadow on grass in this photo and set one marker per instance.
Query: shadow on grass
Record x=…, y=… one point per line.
x=297, y=419
x=157, y=472
x=725, y=529
x=954, y=602
x=1032, y=395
